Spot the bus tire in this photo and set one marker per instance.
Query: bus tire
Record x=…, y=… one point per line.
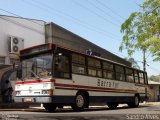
x=135, y=103
x=112, y=105
x=49, y=107
x=79, y=102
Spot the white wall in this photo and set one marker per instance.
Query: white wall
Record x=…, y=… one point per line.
x=32, y=31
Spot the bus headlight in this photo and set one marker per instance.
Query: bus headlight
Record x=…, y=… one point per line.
x=18, y=92
x=44, y=92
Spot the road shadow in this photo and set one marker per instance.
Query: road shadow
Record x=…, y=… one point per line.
x=69, y=110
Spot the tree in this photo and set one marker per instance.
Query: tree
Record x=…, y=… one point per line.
x=142, y=31
x=155, y=78
x=133, y=62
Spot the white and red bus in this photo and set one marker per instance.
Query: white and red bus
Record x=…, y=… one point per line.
x=57, y=76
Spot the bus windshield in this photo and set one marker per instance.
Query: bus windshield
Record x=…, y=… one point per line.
x=37, y=67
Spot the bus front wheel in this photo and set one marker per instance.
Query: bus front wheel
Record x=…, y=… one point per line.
x=49, y=107
x=80, y=102
x=135, y=103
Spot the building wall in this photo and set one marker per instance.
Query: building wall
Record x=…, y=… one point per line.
x=154, y=91
x=32, y=31
x=58, y=35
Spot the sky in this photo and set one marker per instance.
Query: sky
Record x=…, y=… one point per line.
x=98, y=21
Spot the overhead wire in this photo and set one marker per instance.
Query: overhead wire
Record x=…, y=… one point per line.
x=50, y=10
x=103, y=11
x=95, y=13
x=38, y=2
x=22, y=17
x=68, y=15
x=104, y=5
x=21, y=24
x=19, y=16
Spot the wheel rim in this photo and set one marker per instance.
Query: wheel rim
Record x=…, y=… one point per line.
x=80, y=101
x=136, y=100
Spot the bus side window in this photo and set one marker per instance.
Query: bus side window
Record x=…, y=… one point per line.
x=94, y=67
x=120, y=73
x=136, y=76
x=108, y=71
x=141, y=77
x=129, y=75
x=62, y=67
x=78, y=64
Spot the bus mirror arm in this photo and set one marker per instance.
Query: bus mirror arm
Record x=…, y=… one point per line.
x=19, y=73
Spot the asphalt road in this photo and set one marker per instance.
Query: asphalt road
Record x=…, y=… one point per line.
x=144, y=112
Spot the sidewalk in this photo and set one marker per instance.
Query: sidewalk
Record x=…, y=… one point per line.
x=151, y=103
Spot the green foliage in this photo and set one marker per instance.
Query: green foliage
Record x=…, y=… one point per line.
x=133, y=62
x=142, y=30
x=155, y=78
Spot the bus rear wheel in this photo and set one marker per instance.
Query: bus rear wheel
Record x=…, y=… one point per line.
x=112, y=105
x=80, y=102
x=49, y=107
x=135, y=103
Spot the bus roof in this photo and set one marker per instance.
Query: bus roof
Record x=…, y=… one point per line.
x=97, y=57
x=50, y=45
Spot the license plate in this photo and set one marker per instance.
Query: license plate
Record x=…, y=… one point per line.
x=28, y=100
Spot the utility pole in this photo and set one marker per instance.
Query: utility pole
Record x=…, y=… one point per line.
x=144, y=60
x=144, y=50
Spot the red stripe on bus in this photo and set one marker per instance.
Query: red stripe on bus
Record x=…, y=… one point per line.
x=92, y=87
x=33, y=81
x=74, y=86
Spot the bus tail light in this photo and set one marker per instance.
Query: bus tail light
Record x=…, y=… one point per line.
x=50, y=92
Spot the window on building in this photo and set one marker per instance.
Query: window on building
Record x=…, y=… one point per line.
x=141, y=77
x=2, y=60
x=62, y=66
x=108, y=71
x=119, y=73
x=78, y=64
x=129, y=75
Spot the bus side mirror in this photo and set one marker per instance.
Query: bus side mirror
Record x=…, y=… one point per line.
x=19, y=74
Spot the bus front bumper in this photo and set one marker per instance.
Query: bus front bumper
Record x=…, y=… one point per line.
x=33, y=99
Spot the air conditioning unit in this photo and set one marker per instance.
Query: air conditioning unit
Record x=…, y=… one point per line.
x=15, y=44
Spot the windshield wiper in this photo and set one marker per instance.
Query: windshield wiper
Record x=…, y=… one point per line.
x=35, y=74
